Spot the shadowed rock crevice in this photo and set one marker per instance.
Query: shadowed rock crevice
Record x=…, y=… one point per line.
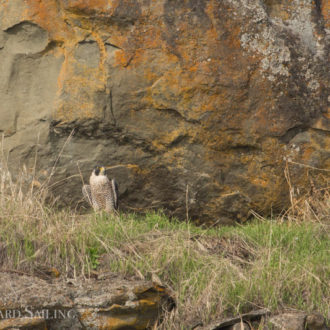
x=177, y=115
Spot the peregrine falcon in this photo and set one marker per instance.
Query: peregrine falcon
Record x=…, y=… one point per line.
x=101, y=193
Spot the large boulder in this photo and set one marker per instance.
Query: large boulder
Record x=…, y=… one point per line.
x=210, y=99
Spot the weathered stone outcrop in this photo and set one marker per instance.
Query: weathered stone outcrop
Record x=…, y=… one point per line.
x=209, y=98
x=263, y=319
x=31, y=303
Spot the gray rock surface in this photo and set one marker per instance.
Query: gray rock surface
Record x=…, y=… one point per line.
x=288, y=321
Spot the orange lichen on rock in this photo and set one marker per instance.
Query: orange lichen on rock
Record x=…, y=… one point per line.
x=90, y=6
x=40, y=12
x=325, y=7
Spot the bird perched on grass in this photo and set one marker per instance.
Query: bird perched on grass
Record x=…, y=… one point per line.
x=101, y=193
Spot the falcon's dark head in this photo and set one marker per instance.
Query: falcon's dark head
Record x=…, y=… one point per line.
x=99, y=170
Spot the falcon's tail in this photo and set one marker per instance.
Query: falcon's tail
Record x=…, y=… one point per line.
x=115, y=192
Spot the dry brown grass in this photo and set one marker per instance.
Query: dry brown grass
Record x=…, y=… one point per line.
x=313, y=205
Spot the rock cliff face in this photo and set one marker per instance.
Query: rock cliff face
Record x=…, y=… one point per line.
x=207, y=97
